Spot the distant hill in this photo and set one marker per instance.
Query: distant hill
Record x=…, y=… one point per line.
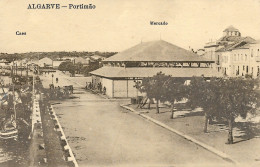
x=52, y=55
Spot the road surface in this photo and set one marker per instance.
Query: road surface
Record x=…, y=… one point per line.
x=101, y=133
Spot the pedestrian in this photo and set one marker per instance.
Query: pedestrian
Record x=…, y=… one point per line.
x=100, y=87
x=86, y=86
x=104, y=90
x=57, y=80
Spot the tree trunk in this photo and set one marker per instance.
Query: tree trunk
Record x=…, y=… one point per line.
x=230, y=131
x=206, y=123
x=172, y=109
x=157, y=107
x=210, y=120
x=149, y=104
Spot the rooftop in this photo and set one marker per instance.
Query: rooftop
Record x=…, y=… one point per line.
x=242, y=43
x=156, y=51
x=231, y=28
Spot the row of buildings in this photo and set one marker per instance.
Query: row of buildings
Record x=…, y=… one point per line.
x=235, y=55
x=47, y=62
x=232, y=55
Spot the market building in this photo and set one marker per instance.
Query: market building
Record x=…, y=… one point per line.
x=120, y=72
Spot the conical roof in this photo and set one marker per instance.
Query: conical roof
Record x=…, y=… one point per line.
x=156, y=51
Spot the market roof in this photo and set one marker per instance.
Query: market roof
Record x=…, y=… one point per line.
x=156, y=51
x=231, y=28
x=135, y=72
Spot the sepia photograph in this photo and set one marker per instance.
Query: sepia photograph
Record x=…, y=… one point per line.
x=129, y=83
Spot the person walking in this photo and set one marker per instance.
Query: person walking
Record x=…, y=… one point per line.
x=104, y=90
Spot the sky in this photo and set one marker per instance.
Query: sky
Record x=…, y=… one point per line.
x=116, y=25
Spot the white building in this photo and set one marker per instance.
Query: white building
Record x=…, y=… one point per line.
x=255, y=58
x=45, y=62
x=231, y=53
x=81, y=60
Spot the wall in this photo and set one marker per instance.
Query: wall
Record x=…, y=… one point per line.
x=120, y=88
x=226, y=63
x=241, y=61
x=108, y=83
x=255, y=59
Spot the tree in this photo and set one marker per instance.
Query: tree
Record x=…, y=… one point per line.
x=92, y=66
x=237, y=98
x=204, y=94
x=63, y=66
x=153, y=87
x=67, y=66
x=173, y=90
x=224, y=99
x=79, y=67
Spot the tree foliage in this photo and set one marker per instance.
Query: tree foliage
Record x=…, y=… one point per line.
x=174, y=90
x=220, y=98
x=224, y=98
x=153, y=87
x=237, y=98
x=67, y=66
x=163, y=88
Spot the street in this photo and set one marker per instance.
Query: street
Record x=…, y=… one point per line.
x=101, y=133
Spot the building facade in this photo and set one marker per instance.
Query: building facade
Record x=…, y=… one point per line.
x=233, y=54
x=255, y=58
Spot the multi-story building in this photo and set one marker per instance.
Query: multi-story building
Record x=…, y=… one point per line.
x=231, y=35
x=255, y=58
x=233, y=54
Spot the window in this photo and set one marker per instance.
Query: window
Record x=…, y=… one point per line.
x=258, y=52
x=245, y=57
x=242, y=57
x=234, y=57
x=243, y=68
x=252, y=53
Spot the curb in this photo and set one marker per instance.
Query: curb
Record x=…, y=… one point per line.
x=58, y=127
x=205, y=146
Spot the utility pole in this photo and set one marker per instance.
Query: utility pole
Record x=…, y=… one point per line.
x=14, y=101
x=16, y=68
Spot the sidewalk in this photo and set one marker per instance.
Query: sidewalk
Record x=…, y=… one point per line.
x=189, y=124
